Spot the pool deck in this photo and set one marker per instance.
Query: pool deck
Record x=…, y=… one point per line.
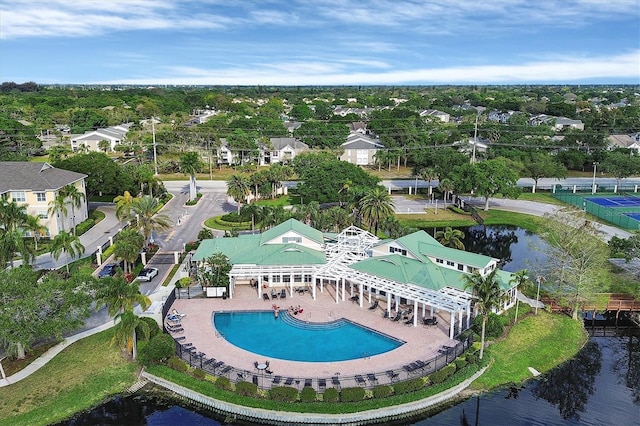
x=422, y=343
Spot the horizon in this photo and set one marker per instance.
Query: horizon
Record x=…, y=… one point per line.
x=323, y=43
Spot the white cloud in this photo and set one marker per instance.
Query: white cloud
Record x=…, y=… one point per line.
x=624, y=66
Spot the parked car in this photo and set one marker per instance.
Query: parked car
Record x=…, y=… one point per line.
x=147, y=274
x=109, y=270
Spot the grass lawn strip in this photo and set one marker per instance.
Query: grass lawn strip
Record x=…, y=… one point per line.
x=80, y=377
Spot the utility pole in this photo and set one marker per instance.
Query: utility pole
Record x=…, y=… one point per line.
x=475, y=141
x=155, y=155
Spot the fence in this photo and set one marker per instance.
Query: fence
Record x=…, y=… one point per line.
x=614, y=215
x=266, y=379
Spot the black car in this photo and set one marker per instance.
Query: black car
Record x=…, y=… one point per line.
x=109, y=270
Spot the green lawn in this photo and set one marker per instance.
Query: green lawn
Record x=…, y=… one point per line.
x=82, y=376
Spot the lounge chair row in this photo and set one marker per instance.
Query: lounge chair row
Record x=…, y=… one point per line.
x=275, y=295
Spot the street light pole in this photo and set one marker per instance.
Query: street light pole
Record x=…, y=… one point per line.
x=539, y=279
x=593, y=185
x=155, y=156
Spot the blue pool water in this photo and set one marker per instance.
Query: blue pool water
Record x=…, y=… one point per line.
x=290, y=338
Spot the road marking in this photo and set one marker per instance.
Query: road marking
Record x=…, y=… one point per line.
x=168, y=237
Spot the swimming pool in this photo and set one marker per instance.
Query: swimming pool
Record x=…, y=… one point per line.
x=289, y=338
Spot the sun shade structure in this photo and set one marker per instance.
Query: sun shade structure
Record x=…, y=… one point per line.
x=414, y=269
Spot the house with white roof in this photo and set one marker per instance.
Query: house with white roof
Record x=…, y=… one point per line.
x=360, y=149
x=434, y=113
x=625, y=141
x=281, y=150
x=414, y=270
x=114, y=135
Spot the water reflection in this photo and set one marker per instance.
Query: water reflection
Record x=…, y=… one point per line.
x=569, y=386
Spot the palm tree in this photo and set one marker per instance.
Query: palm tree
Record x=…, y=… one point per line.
x=205, y=234
x=58, y=208
x=12, y=215
x=119, y=296
x=76, y=198
x=12, y=241
x=190, y=164
x=37, y=229
x=145, y=208
x=68, y=243
x=446, y=186
x=375, y=206
x=254, y=211
x=238, y=188
x=522, y=281
x=123, y=206
x=429, y=174
x=128, y=244
x=451, y=238
x=487, y=295
x=308, y=213
x=125, y=332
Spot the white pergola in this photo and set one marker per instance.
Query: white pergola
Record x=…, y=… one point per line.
x=350, y=246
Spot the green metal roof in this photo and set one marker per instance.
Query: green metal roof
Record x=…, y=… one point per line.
x=281, y=254
x=295, y=226
x=231, y=247
x=455, y=255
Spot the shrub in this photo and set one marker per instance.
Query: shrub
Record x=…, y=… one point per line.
x=352, y=394
x=234, y=217
x=283, y=394
x=471, y=358
x=460, y=363
x=247, y=389
x=308, y=394
x=409, y=386
x=176, y=363
x=198, y=374
x=494, y=328
x=382, y=391
x=330, y=395
x=223, y=383
x=457, y=210
x=191, y=245
x=160, y=348
x=442, y=374
x=183, y=282
x=154, y=328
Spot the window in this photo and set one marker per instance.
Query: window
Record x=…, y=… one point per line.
x=18, y=196
x=307, y=278
x=286, y=240
x=42, y=214
x=362, y=156
x=397, y=250
x=460, y=267
x=41, y=197
x=450, y=263
x=439, y=261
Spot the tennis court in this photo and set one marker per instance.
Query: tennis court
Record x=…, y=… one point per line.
x=635, y=216
x=615, y=201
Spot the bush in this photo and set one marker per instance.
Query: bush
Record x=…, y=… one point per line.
x=382, y=391
x=409, y=386
x=352, y=394
x=160, y=348
x=283, y=394
x=234, y=217
x=494, y=327
x=442, y=374
x=308, y=394
x=198, y=374
x=191, y=245
x=223, y=383
x=183, y=282
x=247, y=389
x=460, y=363
x=154, y=328
x=471, y=358
x=330, y=395
x=176, y=363
x=458, y=210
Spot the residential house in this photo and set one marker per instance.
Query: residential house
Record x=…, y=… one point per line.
x=343, y=112
x=292, y=125
x=439, y=115
x=558, y=123
x=115, y=135
x=360, y=149
x=36, y=185
x=414, y=270
x=625, y=141
x=281, y=150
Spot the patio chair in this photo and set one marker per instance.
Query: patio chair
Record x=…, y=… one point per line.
x=308, y=383
x=392, y=375
x=398, y=317
x=255, y=380
x=274, y=295
x=289, y=381
x=372, y=378
x=226, y=369
x=409, y=321
x=283, y=294
x=255, y=365
x=335, y=381
x=360, y=380
x=385, y=314
x=374, y=306
x=265, y=296
x=354, y=298
x=179, y=339
x=276, y=380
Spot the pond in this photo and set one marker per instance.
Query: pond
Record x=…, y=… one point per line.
x=601, y=385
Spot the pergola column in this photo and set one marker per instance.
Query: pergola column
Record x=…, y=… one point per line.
x=415, y=313
x=259, y=286
x=460, y=321
x=451, y=324
x=313, y=286
x=337, y=290
x=388, y=304
x=344, y=290
x=360, y=301
x=468, y=312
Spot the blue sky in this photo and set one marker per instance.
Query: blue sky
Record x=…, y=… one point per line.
x=320, y=42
